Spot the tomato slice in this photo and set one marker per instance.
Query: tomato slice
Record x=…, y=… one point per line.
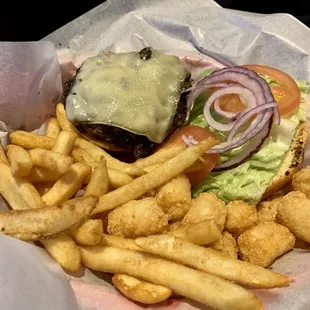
x=286, y=92
x=199, y=134
x=232, y=103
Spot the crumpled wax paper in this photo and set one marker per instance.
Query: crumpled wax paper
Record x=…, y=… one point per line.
x=175, y=26
x=30, y=85
x=31, y=280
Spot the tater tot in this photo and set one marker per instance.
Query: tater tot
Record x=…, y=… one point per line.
x=294, y=213
x=174, y=197
x=240, y=217
x=267, y=210
x=137, y=218
x=263, y=243
x=226, y=246
x=301, y=181
x=207, y=207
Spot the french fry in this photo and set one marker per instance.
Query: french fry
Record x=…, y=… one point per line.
x=19, y=159
x=29, y=140
x=99, y=182
x=141, y=291
x=65, y=251
x=96, y=152
x=40, y=174
x=3, y=158
x=80, y=155
x=196, y=285
x=202, y=233
x=9, y=189
x=64, y=142
x=89, y=233
x=161, y=156
x=18, y=192
x=118, y=178
x=53, y=128
x=154, y=178
x=150, y=168
x=51, y=160
x=199, y=164
x=62, y=119
x=119, y=242
x=35, y=224
x=210, y=261
x=67, y=185
x=44, y=187
x=30, y=194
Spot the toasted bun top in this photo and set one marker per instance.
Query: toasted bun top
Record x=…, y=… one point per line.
x=292, y=163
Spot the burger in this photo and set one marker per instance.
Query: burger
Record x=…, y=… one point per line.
x=128, y=102
x=140, y=101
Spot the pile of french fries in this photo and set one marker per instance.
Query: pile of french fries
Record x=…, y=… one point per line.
x=63, y=189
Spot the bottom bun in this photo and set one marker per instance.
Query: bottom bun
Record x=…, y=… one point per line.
x=292, y=163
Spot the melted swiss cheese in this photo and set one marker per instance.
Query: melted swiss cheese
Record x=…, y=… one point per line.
x=124, y=91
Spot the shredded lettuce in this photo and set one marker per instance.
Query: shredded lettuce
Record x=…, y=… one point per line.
x=249, y=181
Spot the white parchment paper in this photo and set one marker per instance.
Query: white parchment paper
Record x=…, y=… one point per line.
x=177, y=26
x=31, y=280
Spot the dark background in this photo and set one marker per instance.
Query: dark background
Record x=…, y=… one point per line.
x=27, y=21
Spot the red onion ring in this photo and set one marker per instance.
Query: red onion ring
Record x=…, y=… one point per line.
x=189, y=141
x=253, y=90
x=251, y=100
x=245, y=117
x=254, y=145
x=267, y=91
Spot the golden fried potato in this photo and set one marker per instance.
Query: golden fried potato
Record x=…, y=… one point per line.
x=137, y=218
x=89, y=233
x=227, y=246
x=294, y=213
x=154, y=178
x=207, y=207
x=139, y=290
x=65, y=251
x=53, y=128
x=240, y=217
x=211, y=262
x=174, y=197
x=267, y=210
x=301, y=181
x=184, y=281
x=19, y=159
x=263, y=243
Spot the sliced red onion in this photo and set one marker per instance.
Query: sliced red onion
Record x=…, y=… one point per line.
x=188, y=140
x=221, y=61
x=254, y=145
x=251, y=88
x=229, y=115
x=242, y=100
x=267, y=91
x=251, y=100
x=242, y=120
x=255, y=128
x=198, y=63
